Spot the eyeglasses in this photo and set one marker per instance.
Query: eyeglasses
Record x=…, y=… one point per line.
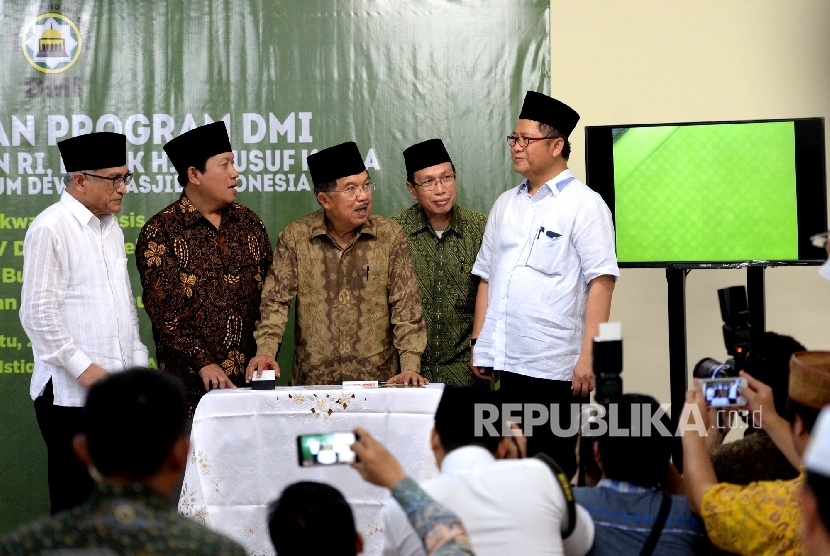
x=429, y=185
x=351, y=192
x=523, y=142
x=117, y=181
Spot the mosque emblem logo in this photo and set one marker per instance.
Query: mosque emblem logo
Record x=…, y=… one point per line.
x=51, y=43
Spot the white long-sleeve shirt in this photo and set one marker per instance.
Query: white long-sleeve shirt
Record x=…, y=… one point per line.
x=538, y=255
x=77, y=305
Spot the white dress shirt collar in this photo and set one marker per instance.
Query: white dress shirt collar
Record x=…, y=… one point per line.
x=552, y=185
x=83, y=215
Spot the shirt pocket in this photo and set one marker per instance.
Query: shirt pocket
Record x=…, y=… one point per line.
x=547, y=252
x=117, y=276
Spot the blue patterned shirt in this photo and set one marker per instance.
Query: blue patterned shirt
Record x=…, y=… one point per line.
x=624, y=515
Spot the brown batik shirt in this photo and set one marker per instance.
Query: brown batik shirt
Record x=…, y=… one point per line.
x=358, y=308
x=202, y=289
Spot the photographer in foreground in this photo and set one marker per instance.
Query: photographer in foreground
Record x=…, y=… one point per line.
x=763, y=517
x=307, y=512
x=755, y=457
x=635, y=486
x=508, y=506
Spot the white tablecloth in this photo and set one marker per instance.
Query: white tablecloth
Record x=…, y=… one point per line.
x=244, y=453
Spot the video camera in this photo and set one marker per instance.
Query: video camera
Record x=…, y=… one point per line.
x=735, y=314
x=608, y=362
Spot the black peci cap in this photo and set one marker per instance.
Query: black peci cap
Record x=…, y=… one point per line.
x=547, y=110
x=423, y=155
x=94, y=151
x=335, y=162
x=195, y=146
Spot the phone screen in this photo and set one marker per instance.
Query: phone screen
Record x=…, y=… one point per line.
x=723, y=392
x=325, y=449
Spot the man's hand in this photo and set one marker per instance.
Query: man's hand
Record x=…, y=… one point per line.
x=484, y=373
x=695, y=397
x=761, y=404
x=374, y=462
x=214, y=377
x=582, y=383
x=259, y=363
x=513, y=445
x=408, y=377
x=759, y=401
x=91, y=375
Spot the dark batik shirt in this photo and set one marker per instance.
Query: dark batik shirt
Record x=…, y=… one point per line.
x=118, y=521
x=448, y=289
x=358, y=308
x=202, y=289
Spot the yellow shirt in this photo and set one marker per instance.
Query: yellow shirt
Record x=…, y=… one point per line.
x=759, y=518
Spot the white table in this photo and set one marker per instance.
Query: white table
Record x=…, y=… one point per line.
x=244, y=453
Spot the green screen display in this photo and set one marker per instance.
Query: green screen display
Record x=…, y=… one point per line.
x=706, y=193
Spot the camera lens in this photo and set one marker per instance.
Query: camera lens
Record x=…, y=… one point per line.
x=709, y=368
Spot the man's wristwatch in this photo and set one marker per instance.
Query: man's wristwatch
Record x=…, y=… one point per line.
x=473, y=341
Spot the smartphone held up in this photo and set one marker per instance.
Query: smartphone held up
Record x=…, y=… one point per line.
x=325, y=449
x=724, y=392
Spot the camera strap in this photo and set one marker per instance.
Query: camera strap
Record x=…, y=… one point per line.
x=654, y=536
x=563, y=481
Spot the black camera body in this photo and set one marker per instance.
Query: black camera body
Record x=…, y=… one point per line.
x=607, y=366
x=735, y=314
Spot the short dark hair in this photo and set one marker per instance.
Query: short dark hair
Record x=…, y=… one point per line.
x=411, y=177
x=199, y=164
x=550, y=131
x=769, y=362
x=455, y=418
x=820, y=486
x=308, y=513
x=640, y=460
x=324, y=187
x=807, y=414
x=131, y=421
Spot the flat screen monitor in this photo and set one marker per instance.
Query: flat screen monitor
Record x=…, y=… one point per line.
x=712, y=194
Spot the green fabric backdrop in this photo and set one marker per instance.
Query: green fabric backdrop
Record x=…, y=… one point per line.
x=288, y=77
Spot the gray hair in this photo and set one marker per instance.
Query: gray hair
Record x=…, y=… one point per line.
x=69, y=177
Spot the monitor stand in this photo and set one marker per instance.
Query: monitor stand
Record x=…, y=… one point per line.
x=678, y=360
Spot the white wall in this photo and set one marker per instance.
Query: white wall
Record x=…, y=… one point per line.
x=652, y=61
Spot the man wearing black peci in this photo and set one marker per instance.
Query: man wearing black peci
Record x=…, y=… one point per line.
x=548, y=269
x=202, y=262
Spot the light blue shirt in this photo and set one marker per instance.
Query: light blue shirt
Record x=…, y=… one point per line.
x=538, y=255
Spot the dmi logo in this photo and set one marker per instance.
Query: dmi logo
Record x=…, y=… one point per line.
x=51, y=43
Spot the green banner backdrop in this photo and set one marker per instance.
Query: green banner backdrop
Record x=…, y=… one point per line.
x=287, y=77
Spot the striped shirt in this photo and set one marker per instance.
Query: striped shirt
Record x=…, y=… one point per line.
x=77, y=305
